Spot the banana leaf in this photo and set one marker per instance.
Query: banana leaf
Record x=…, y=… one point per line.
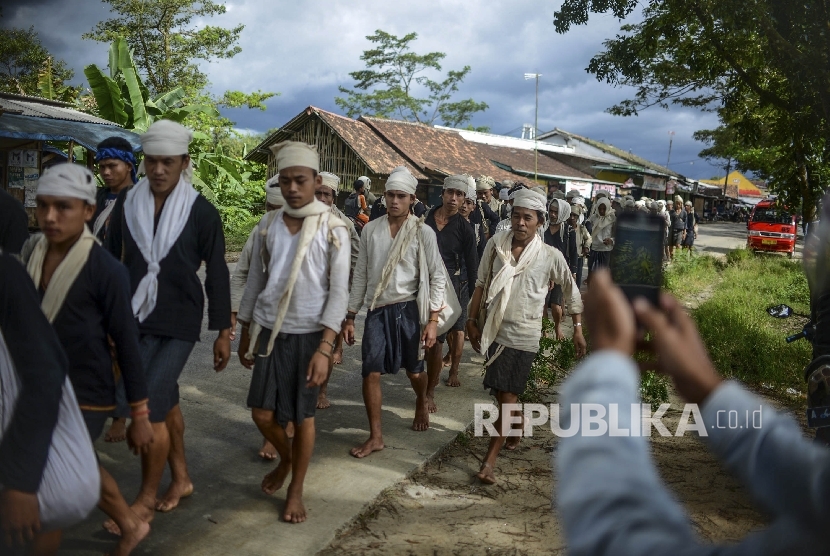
x=107, y=95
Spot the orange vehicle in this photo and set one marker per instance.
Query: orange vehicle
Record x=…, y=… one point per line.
x=771, y=228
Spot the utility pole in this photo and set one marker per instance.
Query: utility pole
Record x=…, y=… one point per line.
x=671, y=138
x=535, y=76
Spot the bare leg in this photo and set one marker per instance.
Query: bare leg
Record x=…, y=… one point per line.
x=556, y=311
x=275, y=434
x=434, y=366
x=152, y=468
x=301, y=448
x=45, y=544
x=419, y=385
x=487, y=474
x=372, y=398
x=133, y=528
x=117, y=431
x=447, y=360
x=337, y=354
x=456, y=349
x=180, y=484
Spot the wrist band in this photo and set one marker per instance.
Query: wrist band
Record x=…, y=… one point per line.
x=333, y=347
x=578, y=324
x=433, y=320
x=472, y=319
x=349, y=316
x=328, y=355
x=140, y=413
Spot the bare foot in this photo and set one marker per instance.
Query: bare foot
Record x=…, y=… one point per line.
x=117, y=431
x=289, y=429
x=294, y=508
x=486, y=475
x=452, y=380
x=421, y=421
x=274, y=480
x=322, y=401
x=558, y=334
x=447, y=360
x=144, y=513
x=431, y=404
x=371, y=445
x=131, y=539
x=268, y=452
x=175, y=492
x=512, y=442
x=337, y=356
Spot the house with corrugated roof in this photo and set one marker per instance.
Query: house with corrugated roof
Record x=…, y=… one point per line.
x=27, y=127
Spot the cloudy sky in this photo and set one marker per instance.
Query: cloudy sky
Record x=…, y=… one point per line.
x=305, y=49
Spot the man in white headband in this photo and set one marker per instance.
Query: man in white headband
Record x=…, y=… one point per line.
x=163, y=231
x=484, y=191
x=511, y=287
x=326, y=193
x=560, y=235
x=273, y=201
x=692, y=220
x=456, y=242
x=86, y=297
x=401, y=280
x=677, y=233
x=291, y=312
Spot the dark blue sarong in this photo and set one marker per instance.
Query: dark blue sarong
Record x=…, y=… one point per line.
x=392, y=340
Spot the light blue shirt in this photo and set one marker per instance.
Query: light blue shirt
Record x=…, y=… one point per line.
x=611, y=499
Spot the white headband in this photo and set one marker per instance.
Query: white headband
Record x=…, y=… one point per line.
x=68, y=180
x=273, y=193
x=529, y=199
x=165, y=138
x=296, y=153
x=458, y=182
x=483, y=183
x=400, y=179
x=330, y=180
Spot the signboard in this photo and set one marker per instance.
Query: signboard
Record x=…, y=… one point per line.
x=30, y=195
x=583, y=187
x=670, y=185
x=16, y=180
x=653, y=183
x=16, y=158
x=611, y=189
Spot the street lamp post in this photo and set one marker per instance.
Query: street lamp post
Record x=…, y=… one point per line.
x=535, y=76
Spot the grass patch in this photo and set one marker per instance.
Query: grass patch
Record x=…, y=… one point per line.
x=553, y=358
x=743, y=341
x=237, y=235
x=687, y=276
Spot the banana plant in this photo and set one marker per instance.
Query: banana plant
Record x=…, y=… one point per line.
x=123, y=98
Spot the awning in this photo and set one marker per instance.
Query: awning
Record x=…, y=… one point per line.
x=30, y=128
x=750, y=200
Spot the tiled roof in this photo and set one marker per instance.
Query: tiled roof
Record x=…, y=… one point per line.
x=524, y=161
x=43, y=108
x=378, y=156
x=437, y=150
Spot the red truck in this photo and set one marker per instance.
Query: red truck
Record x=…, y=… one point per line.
x=771, y=228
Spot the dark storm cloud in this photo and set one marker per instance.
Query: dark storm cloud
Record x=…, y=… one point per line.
x=306, y=49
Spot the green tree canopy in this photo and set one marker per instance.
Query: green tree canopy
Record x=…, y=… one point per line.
x=23, y=59
x=165, y=42
x=762, y=65
x=388, y=87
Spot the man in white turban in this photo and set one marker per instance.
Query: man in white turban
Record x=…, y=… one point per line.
x=86, y=298
x=484, y=191
x=291, y=312
x=326, y=193
x=163, y=232
x=561, y=236
x=457, y=244
x=511, y=288
x=401, y=280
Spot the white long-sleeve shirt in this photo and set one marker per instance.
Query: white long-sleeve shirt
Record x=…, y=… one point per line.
x=240, y=273
x=375, y=244
x=321, y=292
x=612, y=501
x=521, y=327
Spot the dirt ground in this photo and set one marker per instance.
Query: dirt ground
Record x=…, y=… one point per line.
x=443, y=509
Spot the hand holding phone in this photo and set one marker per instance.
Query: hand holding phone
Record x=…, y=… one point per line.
x=637, y=258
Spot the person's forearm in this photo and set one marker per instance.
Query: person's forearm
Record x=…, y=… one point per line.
x=475, y=303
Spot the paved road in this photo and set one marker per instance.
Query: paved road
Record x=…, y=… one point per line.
x=228, y=514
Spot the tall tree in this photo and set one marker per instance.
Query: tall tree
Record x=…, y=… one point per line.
x=762, y=65
x=23, y=58
x=393, y=79
x=165, y=42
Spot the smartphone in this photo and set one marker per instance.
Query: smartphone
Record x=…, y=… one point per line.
x=637, y=257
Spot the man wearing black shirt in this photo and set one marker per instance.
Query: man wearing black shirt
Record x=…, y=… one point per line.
x=14, y=224
x=456, y=242
x=163, y=230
